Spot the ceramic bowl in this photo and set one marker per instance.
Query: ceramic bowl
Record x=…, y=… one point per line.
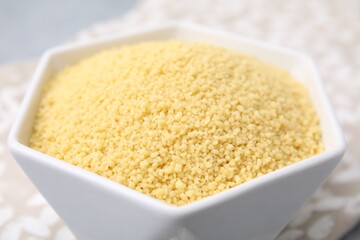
x=96, y=208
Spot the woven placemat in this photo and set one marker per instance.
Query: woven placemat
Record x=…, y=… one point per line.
x=325, y=30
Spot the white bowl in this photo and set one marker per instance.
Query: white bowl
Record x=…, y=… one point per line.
x=97, y=208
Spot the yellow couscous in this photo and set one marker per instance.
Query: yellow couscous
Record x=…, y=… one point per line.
x=178, y=121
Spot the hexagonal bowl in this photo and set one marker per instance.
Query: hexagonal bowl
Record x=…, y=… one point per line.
x=97, y=208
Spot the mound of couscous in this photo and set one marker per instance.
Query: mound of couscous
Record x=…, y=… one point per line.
x=178, y=121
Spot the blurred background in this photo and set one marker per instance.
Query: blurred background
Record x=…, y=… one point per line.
x=328, y=31
x=28, y=28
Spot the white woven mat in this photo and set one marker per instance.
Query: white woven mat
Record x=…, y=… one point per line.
x=328, y=31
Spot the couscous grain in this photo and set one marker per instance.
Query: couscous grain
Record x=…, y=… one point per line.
x=178, y=121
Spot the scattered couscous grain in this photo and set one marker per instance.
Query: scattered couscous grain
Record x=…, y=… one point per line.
x=175, y=120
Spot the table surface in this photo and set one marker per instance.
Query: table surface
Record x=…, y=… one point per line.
x=27, y=27
x=34, y=21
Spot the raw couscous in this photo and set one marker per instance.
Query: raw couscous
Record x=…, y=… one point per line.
x=178, y=121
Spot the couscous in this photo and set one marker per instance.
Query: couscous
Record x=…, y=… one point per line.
x=178, y=121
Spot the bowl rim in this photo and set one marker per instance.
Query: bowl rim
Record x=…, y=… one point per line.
x=16, y=147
